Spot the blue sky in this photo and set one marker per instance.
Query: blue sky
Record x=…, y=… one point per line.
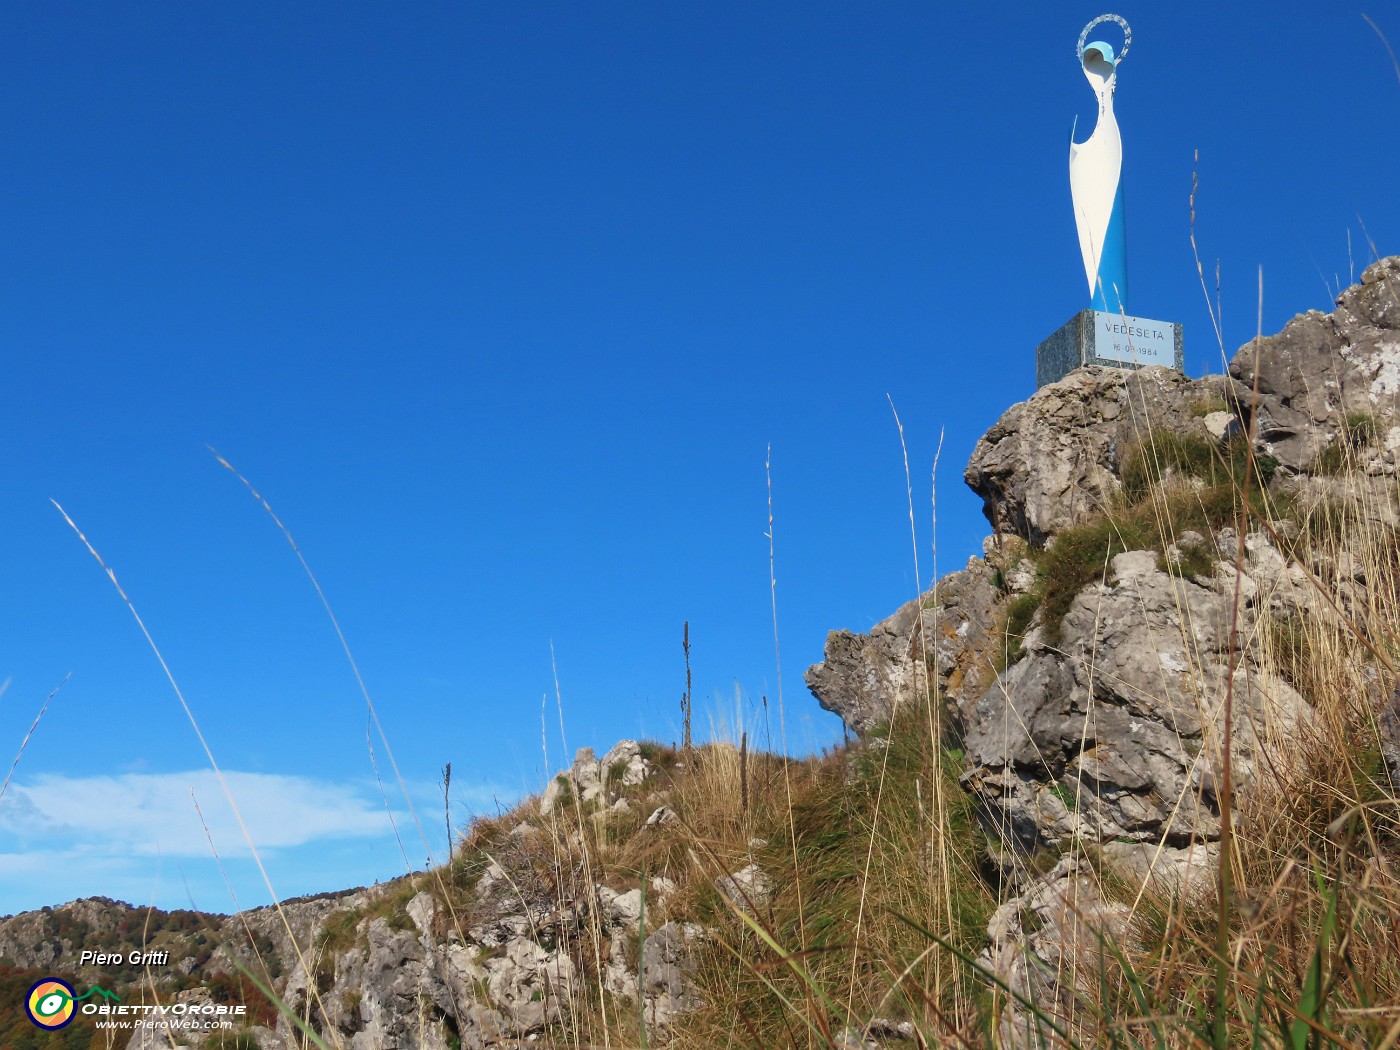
x=501, y=307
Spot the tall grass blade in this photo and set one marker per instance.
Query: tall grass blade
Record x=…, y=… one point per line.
x=282, y=1008
x=1311, y=1003
x=641, y=959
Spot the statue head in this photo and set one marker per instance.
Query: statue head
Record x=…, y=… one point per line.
x=1098, y=58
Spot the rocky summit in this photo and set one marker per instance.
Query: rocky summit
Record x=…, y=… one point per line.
x=1085, y=660
x=1177, y=644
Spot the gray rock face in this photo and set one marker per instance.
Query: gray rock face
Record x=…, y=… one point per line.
x=748, y=889
x=503, y=968
x=1052, y=460
x=1116, y=733
x=1041, y=940
x=1324, y=367
x=667, y=962
x=589, y=779
x=380, y=968
x=662, y=816
x=50, y=940
x=624, y=764
x=950, y=628
x=1187, y=871
x=584, y=780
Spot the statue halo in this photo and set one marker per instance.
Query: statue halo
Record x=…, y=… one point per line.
x=1118, y=20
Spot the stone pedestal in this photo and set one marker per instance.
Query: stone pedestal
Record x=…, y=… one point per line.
x=1096, y=337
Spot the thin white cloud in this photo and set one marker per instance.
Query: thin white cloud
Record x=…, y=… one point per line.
x=150, y=813
x=136, y=836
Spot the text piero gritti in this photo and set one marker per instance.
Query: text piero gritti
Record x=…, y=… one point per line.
x=133, y=958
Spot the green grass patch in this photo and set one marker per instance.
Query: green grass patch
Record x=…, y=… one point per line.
x=1066, y=795
x=1080, y=556
x=1020, y=611
x=1168, y=454
x=657, y=753
x=852, y=858
x=1172, y=484
x=1207, y=405
x=1190, y=560
x=337, y=934
x=392, y=906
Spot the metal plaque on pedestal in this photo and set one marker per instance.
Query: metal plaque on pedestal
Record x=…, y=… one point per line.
x=1096, y=337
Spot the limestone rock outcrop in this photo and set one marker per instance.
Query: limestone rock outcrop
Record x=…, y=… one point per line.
x=950, y=630
x=491, y=955
x=1115, y=733
x=588, y=778
x=1323, y=369
x=1102, y=721
x=1054, y=459
x=504, y=966
x=1058, y=926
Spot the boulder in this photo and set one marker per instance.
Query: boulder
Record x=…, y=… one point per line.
x=624, y=765
x=1323, y=368
x=529, y=984
x=590, y=781
x=1053, y=459
x=951, y=628
x=748, y=889
x=1115, y=732
x=661, y=817
x=1047, y=945
x=667, y=963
